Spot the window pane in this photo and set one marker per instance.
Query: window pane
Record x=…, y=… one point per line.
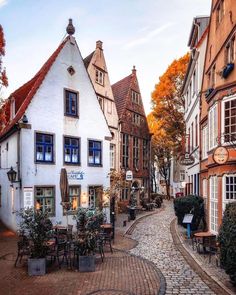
x=39, y=153
x=97, y=157
x=39, y=137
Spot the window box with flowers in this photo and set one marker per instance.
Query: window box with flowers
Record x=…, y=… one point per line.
x=227, y=70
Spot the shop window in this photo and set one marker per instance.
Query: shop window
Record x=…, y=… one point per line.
x=45, y=199
x=214, y=204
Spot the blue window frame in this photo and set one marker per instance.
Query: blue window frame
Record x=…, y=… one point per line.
x=71, y=103
x=71, y=150
x=44, y=148
x=95, y=152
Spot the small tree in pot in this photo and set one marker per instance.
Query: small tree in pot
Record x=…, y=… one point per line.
x=37, y=227
x=88, y=225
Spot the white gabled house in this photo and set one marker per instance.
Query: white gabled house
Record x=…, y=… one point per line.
x=54, y=121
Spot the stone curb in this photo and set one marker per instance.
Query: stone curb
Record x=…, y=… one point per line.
x=209, y=279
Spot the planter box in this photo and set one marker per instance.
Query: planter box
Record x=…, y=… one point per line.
x=36, y=266
x=87, y=263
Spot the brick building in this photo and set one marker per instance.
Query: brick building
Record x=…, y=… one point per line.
x=218, y=113
x=135, y=136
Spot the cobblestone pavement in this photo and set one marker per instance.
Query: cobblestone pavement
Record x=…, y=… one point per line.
x=119, y=274
x=155, y=243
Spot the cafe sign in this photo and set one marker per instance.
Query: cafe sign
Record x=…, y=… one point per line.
x=129, y=175
x=186, y=160
x=220, y=155
x=75, y=175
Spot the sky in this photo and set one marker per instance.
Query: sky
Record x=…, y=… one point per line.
x=149, y=34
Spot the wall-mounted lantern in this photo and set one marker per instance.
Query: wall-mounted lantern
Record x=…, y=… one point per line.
x=11, y=174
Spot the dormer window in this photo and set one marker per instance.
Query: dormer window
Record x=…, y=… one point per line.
x=13, y=108
x=99, y=78
x=135, y=97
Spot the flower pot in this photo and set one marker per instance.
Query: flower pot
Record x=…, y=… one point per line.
x=227, y=70
x=36, y=266
x=87, y=263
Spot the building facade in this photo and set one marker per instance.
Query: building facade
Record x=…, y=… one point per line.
x=218, y=113
x=54, y=121
x=135, y=136
x=191, y=92
x=97, y=69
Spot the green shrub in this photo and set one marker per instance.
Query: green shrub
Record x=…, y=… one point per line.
x=227, y=240
x=189, y=204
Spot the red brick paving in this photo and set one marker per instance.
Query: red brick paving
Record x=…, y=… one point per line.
x=119, y=274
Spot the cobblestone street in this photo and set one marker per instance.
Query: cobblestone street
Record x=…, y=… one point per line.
x=156, y=244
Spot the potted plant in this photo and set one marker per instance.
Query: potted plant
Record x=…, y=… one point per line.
x=37, y=227
x=88, y=225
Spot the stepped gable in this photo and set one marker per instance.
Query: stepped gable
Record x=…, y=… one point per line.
x=25, y=93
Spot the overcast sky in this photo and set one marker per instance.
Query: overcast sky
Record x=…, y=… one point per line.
x=146, y=33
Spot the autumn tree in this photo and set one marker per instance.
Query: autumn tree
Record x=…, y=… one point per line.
x=3, y=79
x=166, y=121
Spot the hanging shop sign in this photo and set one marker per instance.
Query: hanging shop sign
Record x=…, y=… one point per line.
x=186, y=160
x=28, y=197
x=75, y=175
x=129, y=175
x=220, y=155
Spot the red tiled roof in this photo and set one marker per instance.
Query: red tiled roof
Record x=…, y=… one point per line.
x=88, y=59
x=120, y=91
x=25, y=93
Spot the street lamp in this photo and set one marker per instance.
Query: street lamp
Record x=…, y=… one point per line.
x=11, y=174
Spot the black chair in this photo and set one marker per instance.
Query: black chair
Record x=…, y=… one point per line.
x=107, y=234
x=23, y=248
x=100, y=244
x=60, y=250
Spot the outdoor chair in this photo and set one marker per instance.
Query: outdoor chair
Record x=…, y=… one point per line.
x=107, y=237
x=59, y=250
x=100, y=244
x=23, y=248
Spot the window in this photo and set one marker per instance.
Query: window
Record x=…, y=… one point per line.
x=44, y=148
x=135, y=152
x=136, y=119
x=194, y=83
x=74, y=197
x=125, y=150
x=189, y=140
x=230, y=51
x=213, y=129
x=230, y=120
x=0, y=196
x=196, y=130
x=99, y=77
x=71, y=150
x=95, y=152
x=229, y=189
x=182, y=175
x=0, y=156
x=219, y=12
x=204, y=142
x=135, y=97
x=145, y=154
x=190, y=91
x=213, y=204
x=109, y=106
x=101, y=102
x=71, y=103
x=112, y=156
x=95, y=197
x=125, y=193
x=192, y=137
x=45, y=199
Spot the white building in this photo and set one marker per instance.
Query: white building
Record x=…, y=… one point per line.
x=54, y=121
x=191, y=91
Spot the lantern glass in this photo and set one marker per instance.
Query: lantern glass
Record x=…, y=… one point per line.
x=11, y=174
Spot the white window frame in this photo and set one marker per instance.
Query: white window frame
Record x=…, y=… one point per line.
x=213, y=127
x=226, y=99
x=213, y=204
x=112, y=156
x=204, y=142
x=227, y=201
x=99, y=77
x=204, y=191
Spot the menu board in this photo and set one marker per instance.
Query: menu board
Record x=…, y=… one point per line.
x=28, y=197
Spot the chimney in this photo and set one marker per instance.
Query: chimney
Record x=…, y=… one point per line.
x=99, y=44
x=134, y=70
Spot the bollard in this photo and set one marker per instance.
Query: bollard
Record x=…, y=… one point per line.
x=124, y=223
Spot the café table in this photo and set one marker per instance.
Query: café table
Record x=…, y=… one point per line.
x=205, y=239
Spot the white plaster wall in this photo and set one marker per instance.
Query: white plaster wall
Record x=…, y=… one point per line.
x=46, y=114
x=10, y=195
